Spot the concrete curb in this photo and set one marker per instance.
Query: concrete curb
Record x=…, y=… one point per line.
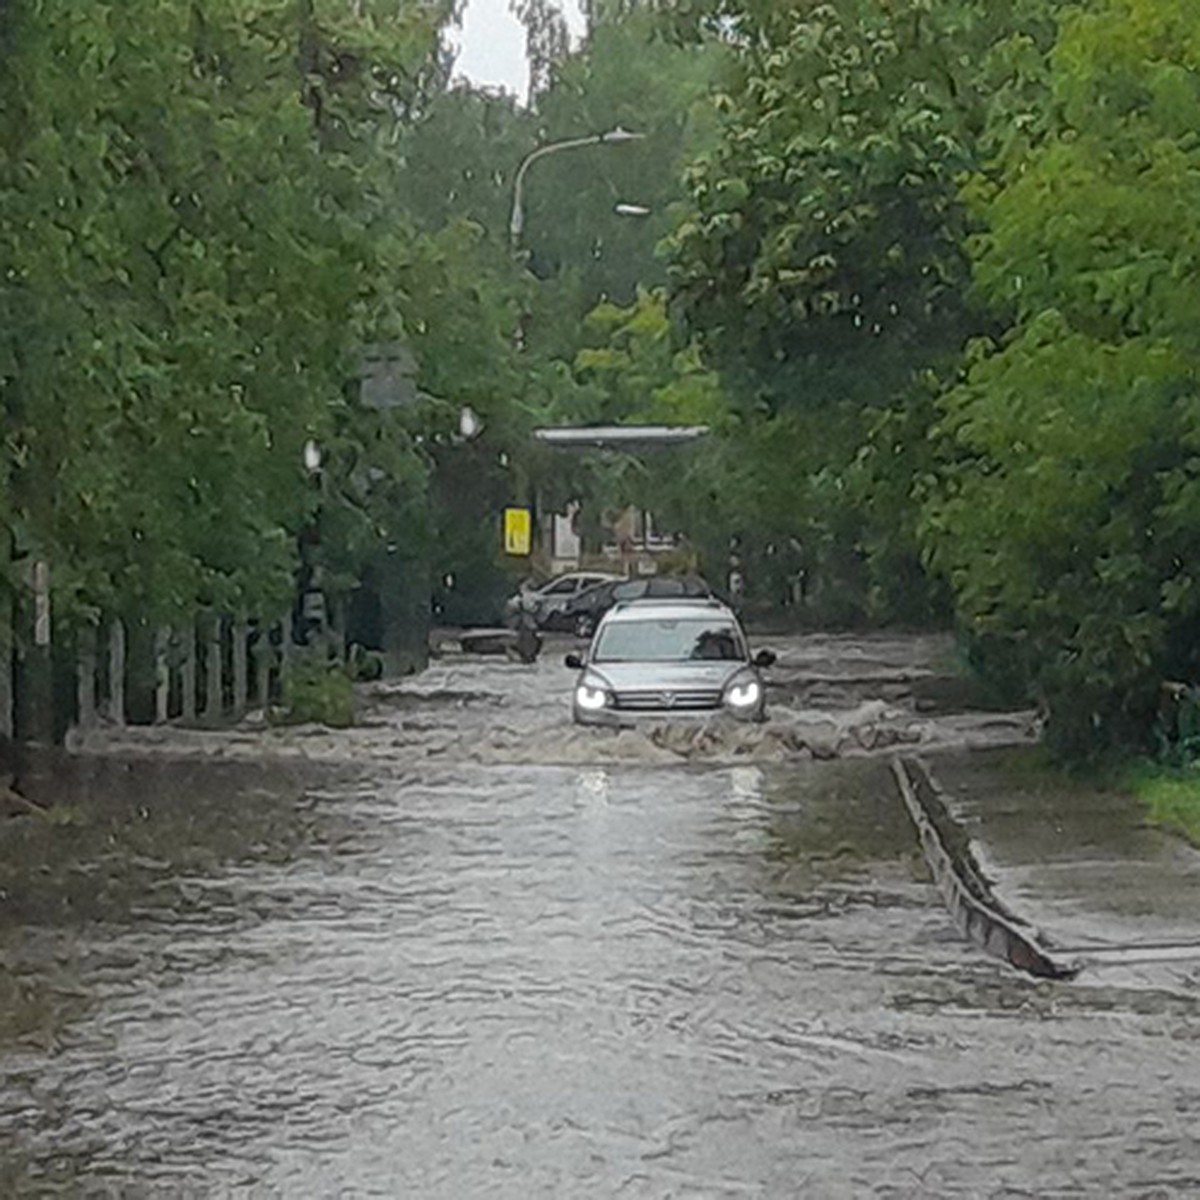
x=979, y=915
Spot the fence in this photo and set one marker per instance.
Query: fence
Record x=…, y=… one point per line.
x=213, y=670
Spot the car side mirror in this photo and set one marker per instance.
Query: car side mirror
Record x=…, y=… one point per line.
x=574, y=661
x=765, y=658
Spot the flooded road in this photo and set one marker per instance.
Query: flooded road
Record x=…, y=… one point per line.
x=356, y=975
x=828, y=697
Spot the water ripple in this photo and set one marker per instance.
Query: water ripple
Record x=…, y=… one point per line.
x=563, y=982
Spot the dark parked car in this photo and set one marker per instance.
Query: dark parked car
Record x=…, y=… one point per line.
x=547, y=601
x=583, y=611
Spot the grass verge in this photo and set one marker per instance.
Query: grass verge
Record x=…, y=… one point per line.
x=1171, y=796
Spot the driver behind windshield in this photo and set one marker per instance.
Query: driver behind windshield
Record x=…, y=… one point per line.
x=715, y=644
x=669, y=641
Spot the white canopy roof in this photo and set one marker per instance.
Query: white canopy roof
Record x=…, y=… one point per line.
x=625, y=436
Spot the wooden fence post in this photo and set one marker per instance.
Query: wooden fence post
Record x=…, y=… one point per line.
x=86, y=677
x=337, y=625
x=7, y=699
x=8, y=642
x=262, y=668
x=162, y=675
x=38, y=662
x=188, y=673
x=241, y=636
x=213, y=669
x=286, y=648
x=116, y=672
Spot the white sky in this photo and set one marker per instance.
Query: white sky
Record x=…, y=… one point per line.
x=492, y=44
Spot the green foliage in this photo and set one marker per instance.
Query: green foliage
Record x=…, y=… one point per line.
x=186, y=222
x=1066, y=518
x=625, y=75
x=365, y=666
x=824, y=254
x=318, y=689
x=511, y=337
x=457, y=161
x=1177, y=728
x=632, y=370
x=200, y=230
x=747, y=482
x=823, y=270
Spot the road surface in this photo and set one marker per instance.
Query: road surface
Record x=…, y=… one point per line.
x=465, y=951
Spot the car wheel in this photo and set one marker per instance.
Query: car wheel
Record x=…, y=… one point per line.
x=584, y=626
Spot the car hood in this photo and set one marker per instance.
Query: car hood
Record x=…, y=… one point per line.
x=633, y=677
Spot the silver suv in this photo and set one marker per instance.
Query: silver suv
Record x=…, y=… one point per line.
x=656, y=658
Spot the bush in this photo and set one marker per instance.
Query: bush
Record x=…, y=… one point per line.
x=317, y=689
x=364, y=666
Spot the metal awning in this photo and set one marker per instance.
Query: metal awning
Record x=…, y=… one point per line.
x=625, y=437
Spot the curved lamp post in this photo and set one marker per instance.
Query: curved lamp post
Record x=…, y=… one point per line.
x=517, y=221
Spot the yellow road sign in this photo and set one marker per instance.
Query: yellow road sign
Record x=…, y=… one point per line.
x=518, y=531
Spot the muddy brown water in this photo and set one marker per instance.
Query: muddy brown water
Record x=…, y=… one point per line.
x=367, y=977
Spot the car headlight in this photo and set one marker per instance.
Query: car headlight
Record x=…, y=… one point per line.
x=744, y=695
x=590, y=699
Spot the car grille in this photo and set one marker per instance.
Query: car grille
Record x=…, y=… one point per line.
x=666, y=700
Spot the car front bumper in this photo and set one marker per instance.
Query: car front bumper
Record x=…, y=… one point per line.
x=623, y=718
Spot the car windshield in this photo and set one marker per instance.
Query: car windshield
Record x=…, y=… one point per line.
x=685, y=640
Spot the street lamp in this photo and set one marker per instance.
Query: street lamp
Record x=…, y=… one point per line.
x=313, y=612
x=631, y=210
x=469, y=424
x=312, y=457
x=517, y=220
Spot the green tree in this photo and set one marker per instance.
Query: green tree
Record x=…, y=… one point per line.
x=624, y=75
x=547, y=41
x=513, y=351
x=1066, y=517
x=823, y=267
x=189, y=223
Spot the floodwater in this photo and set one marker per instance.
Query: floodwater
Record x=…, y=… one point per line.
x=829, y=697
x=366, y=973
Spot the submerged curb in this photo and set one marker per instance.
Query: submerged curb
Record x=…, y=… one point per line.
x=979, y=915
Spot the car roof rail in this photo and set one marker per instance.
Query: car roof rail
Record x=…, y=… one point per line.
x=672, y=602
